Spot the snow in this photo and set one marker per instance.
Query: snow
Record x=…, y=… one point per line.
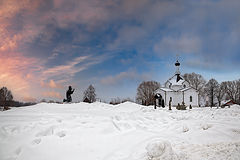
x=126, y=131
x=185, y=89
x=166, y=89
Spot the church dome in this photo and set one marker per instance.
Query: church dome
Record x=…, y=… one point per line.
x=177, y=63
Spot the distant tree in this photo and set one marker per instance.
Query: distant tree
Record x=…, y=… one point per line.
x=118, y=100
x=211, y=90
x=127, y=100
x=196, y=80
x=233, y=90
x=43, y=100
x=51, y=101
x=115, y=101
x=221, y=91
x=5, y=96
x=146, y=91
x=238, y=92
x=90, y=94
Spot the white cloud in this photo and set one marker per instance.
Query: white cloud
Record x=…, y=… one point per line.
x=123, y=76
x=183, y=44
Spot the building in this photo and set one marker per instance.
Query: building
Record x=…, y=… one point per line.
x=227, y=103
x=178, y=90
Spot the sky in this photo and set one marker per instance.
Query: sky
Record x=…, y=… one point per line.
x=47, y=45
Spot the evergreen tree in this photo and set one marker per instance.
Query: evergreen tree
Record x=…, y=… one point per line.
x=90, y=94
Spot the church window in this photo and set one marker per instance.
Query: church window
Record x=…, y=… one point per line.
x=184, y=85
x=190, y=98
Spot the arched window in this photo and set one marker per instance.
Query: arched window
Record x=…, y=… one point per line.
x=184, y=85
x=190, y=98
x=170, y=98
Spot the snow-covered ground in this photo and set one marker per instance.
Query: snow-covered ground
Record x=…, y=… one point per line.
x=127, y=131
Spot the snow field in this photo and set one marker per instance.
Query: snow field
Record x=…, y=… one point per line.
x=126, y=131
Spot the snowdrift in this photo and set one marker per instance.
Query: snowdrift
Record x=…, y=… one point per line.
x=127, y=131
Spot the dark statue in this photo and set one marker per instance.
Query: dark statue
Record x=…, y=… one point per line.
x=68, y=94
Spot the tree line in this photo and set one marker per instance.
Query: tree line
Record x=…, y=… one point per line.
x=212, y=92
x=6, y=100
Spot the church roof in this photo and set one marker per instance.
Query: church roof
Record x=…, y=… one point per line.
x=166, y=89
x=177, y=79
x=185, y=89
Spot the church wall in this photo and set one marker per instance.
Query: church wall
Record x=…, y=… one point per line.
x=194, y=94
x=177, y=97
x=186, y=84
x=167, y=84
x=176, y=87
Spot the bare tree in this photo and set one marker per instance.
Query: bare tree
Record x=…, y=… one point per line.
x=221, y=90
x=233, y=90
x=146, y=91
x=196, y=80
x=238, y=92
x=211, y=89
x=5, y=96
x=90, y=94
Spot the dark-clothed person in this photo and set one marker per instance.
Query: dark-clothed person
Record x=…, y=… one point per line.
x=68, y=94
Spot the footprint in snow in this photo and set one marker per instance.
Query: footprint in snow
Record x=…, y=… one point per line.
x=18, y=150
x=36, y=141
x=61, y=134
x=47, y=132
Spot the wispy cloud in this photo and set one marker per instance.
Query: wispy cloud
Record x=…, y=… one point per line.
x=130, y=75
x=183, y=44
x=69, y=68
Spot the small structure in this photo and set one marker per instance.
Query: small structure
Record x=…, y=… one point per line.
x=178, y=90
x=227, y=103
x=86, y=100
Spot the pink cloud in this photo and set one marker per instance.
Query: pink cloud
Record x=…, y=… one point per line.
x=17, y=73
x=52, y=94
x=51, y=84
x=29, y=99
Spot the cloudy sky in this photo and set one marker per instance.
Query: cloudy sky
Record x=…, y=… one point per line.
x=46, y=45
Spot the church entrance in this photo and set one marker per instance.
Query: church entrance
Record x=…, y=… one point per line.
x=159, y=101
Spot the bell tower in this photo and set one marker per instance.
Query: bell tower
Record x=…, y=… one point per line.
x=177, y=64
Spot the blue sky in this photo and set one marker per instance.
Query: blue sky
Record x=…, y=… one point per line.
x=114, y=44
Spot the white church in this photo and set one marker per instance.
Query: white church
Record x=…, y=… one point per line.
x=178, y=90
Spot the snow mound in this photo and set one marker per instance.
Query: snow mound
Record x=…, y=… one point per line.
x=128, y=107
x=160, y=150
